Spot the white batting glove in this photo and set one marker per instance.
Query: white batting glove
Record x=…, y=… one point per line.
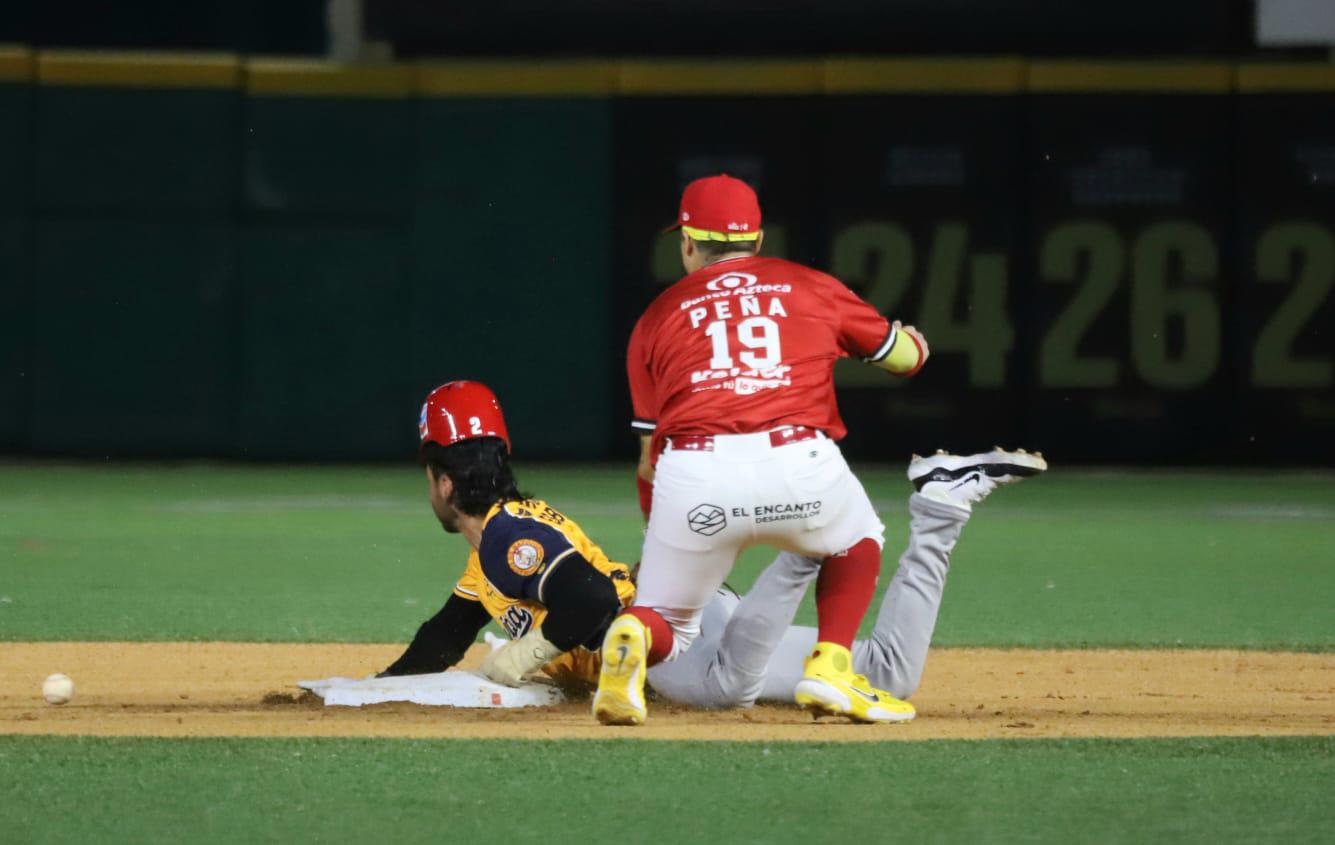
x=512, y=661
x=494, y=641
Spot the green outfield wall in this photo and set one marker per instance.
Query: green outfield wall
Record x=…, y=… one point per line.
x=202, y=255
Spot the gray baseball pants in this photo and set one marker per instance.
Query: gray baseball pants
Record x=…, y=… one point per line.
x=749, y=650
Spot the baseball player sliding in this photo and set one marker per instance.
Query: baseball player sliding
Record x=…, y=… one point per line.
x=534, y=572
x=732, y=375
x=531, y=569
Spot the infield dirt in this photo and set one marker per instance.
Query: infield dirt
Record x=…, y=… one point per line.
x=248, y=689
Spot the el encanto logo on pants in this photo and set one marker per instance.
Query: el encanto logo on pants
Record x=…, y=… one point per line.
x=707, y=519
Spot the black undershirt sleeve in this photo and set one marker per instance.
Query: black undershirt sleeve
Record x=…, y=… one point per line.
x=442, y=640
x=581, y=602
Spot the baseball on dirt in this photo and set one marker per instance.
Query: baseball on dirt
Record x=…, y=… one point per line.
x=58, y=689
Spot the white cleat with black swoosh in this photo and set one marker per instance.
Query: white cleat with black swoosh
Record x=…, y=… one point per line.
x=962, y=480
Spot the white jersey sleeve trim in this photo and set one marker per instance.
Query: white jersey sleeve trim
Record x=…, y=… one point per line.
x=884, y=348
x=643, y=425
x=542, y=582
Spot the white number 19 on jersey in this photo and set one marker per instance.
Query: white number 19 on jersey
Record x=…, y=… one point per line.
x=760, y=336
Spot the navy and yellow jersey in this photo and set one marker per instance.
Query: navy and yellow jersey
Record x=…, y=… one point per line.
x=522, y=543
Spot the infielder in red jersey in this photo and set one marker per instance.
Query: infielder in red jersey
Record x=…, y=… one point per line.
x=748, y=344
x=732, y=379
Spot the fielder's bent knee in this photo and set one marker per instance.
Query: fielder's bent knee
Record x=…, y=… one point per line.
x=685, y=629
x=681, y=641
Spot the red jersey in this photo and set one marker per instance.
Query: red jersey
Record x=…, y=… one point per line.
x=746, y=345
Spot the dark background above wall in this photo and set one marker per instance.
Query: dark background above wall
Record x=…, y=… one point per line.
x=248, y=26
x=1202, y=28
x=1115, y=262
x=795, y=27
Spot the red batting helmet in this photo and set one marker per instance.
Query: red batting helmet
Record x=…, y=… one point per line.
x=461, y=410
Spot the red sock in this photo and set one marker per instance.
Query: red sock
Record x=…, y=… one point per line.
x=660, y=632
x=844, y=589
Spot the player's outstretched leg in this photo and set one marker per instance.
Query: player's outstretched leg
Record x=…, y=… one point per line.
x=620, y=696
x=947, y=485
x=894, y=656
x=962, y=480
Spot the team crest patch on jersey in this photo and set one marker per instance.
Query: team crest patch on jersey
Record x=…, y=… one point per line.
x=525, y=556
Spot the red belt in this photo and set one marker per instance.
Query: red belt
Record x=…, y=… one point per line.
x=705, y=442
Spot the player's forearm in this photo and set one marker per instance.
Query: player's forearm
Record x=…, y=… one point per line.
x=645, y=469
x=581, y=601
x=904, y=352
x=646, y=492
x=644, y=476
x=442, y=640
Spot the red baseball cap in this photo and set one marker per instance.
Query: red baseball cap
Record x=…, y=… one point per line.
x=461, y=410
x=719, y=208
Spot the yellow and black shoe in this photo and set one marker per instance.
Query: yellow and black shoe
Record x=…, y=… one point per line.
x=620, y=696
x=829, y=687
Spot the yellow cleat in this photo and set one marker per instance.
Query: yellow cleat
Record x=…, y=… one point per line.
x=620, y=696
x=829, y=686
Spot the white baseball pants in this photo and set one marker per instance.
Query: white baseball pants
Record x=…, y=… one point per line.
x=710, y=505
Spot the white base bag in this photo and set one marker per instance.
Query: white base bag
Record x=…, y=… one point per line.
x=453, y=688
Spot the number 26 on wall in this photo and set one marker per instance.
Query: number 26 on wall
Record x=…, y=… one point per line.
x=1093, y=255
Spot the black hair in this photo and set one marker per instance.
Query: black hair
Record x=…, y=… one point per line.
x=480, y=470
x=713, y=249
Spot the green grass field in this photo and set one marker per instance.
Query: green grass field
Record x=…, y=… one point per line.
x=353, y=554
x=484, y=791
x=283, y=554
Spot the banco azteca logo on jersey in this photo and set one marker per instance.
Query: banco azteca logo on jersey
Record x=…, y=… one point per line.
x=706, y=519
x=731, y=281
